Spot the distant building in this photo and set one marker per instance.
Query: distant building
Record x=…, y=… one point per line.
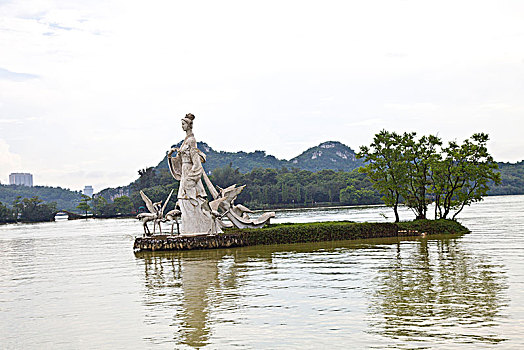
x=88, y=191
x=24, y=179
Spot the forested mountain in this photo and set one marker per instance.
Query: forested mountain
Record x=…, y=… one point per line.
x=328, y=155
x=243, y=167
x=320, y=174
x=65, y=199
x=244, y=161
x=317, y=175
x=512, y=177
x=331, y=155
x=265, y=187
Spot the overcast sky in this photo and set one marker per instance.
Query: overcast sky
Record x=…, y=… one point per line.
x=92, y=91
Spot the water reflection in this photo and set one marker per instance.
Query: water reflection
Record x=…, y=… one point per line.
x=78, y=285
x=180, y=285
x=418, y=292
x=192, y=284
x=436, y=290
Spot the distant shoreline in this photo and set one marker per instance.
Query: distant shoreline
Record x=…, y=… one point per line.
x=324, y=205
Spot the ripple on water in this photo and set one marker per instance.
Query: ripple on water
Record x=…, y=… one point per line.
x=78, y=284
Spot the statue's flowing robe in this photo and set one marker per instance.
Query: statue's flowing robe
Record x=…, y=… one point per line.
x=186, y=166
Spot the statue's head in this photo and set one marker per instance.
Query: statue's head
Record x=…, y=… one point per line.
x=187, y=122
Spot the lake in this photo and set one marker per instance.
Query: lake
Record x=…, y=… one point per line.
x=79, y=285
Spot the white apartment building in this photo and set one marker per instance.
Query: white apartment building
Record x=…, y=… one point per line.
x=25, y=179
x=88, y=191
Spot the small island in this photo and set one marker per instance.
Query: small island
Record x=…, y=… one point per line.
x=405, y=170
x=299, y=233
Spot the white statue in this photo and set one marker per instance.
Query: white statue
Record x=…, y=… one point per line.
x=237, y=214
x=197, y=214
x=186, y=166
x=173, y=216
x=156, y=212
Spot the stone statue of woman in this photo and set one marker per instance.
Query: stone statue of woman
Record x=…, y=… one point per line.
x=186, y=166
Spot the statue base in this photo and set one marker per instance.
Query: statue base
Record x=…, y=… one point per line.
x=188, y=242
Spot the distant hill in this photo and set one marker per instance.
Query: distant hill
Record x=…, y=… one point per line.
x=65, y=199
x=244, y=161
x=512, y=176
x=328, y=155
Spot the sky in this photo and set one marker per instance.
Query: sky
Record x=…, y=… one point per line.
x=93, y=91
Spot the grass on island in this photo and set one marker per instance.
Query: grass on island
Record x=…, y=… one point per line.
x=344, y=230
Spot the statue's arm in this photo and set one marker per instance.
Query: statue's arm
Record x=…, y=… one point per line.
x=174, y=163
x=171, y=151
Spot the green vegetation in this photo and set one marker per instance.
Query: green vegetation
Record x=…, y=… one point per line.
x=400, y=170
x=245, y=161
x=6, y=214
x=65, y=199
x=417, y=172
x=301, y=233
x=123, y=205
x=314, y=232
x=344, y=230
x=274, y=184
x=102, y=208
x=33, y=209
x=265, y=188
x=433, y=227
x=330, y=155
x=386, y=168
x=269, y=188
x=84, y=204
x=461, y=175
x=511, y=178
x=323, y=175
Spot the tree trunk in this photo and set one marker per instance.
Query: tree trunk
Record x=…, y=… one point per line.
x=395, y=207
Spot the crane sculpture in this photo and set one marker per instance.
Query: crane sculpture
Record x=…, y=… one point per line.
x=156, y=212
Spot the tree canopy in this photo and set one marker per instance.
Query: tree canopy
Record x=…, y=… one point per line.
x=417, y=172
x=84, y=204
x=34, y=209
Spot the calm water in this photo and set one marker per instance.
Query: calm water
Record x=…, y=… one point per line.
x=78, y=285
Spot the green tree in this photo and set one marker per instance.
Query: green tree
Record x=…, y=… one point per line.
x=108, y=210
x=65, y=199
x=418, y=172
x=353, y=196
x=6, y=214
x=99, y=203
x=123, y=205
x=102, y=208
x=146, y=179
x=386, y=166
x=35, y=210
x=84, y=204
x=511, y=179
x=463, y=175
x=419, y=156
x=226, y=176
x=18, y=206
